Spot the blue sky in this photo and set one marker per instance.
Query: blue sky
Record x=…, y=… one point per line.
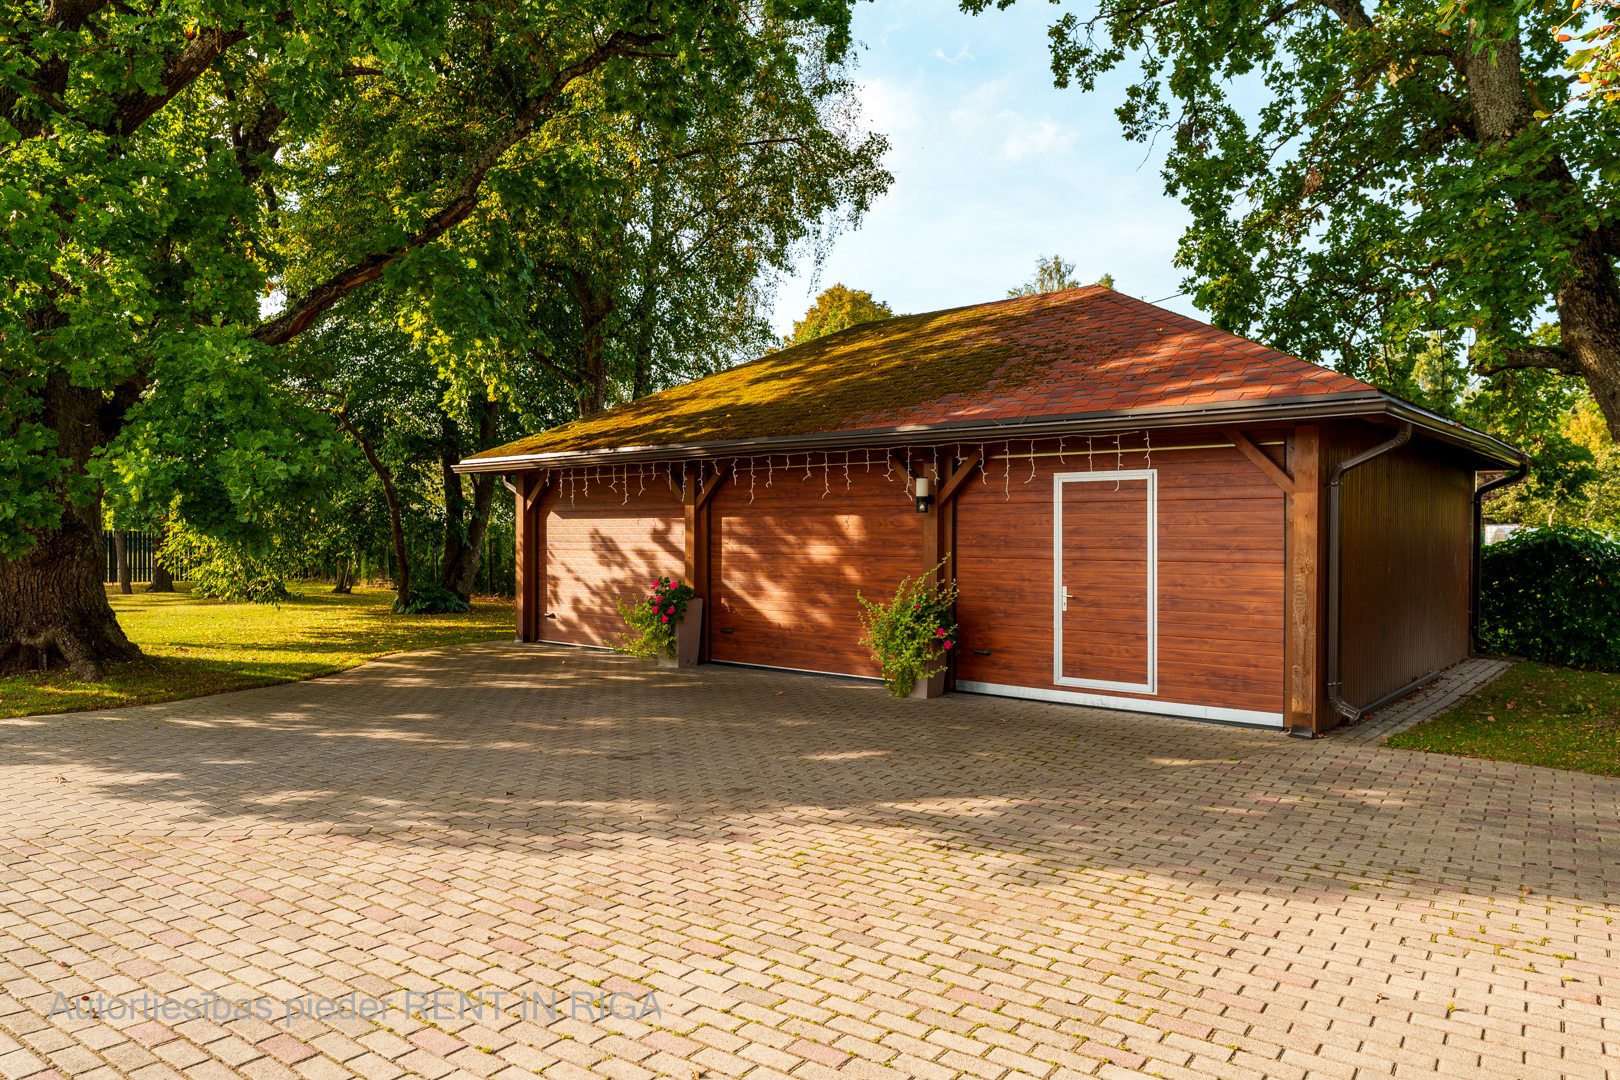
x=993, y=166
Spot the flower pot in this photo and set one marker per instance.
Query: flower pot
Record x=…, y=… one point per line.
x=688, y=636
x=927, y=688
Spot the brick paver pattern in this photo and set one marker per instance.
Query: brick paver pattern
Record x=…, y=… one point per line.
x=816, y=880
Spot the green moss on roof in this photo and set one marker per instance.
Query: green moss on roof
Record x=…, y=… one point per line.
x=855, y=378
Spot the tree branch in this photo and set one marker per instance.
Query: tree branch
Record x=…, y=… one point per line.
x=1349, y=13
x=307, y=308
x=1548, y=359
x=550, y=365
x=135, y=108
x=1609, y=237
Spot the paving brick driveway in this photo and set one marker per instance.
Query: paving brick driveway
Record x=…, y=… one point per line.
x=814, y=880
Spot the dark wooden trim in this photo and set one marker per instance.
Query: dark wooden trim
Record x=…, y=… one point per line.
x=1302, y=645
x=1246, y=446
x=948, y=488
x=531, y=557
x=533, y=498
x=720, y=473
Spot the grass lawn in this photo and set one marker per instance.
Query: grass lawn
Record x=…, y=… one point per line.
x=195, y=646
x=1534, y=714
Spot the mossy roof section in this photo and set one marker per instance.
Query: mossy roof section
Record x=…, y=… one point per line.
x=1056, y=354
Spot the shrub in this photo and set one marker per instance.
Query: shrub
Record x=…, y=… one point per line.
x=1553, y=594
x=911, y=637
x=431, y=600
x=224, y=571
x=654, y=619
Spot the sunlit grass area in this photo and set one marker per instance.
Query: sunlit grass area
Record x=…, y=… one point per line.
x=1535, y=714
x=195, y=646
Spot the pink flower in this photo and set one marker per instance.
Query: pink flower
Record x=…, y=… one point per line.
x=948, y=644
x=666, y=618
x=940, y=632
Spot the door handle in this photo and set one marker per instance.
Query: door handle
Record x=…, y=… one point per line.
x=1065, y=598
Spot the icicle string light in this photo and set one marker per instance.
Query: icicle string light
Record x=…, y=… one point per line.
x=1031, y=460
x=984, y=466
x=1006, y=479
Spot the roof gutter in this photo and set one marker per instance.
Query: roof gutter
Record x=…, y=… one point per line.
x=1288, y=410
x=1475, y=564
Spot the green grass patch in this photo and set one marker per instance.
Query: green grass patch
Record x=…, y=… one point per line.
x=196, y=646
x=1534, y=714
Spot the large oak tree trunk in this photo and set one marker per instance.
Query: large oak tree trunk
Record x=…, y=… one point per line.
x=1588, y=295
x=162, y=579
x=463, y=539
x=53, y=605
x=121, y=558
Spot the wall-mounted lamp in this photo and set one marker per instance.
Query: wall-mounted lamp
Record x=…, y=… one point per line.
x=925, y=494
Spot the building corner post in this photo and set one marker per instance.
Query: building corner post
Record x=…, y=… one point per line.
x=531, y=557
x=1304, y=712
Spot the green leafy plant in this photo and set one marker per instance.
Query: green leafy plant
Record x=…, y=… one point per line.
x=1553, y=594
x=431, y=600
x=227, y=571
x=911, y=637
x=655, y=619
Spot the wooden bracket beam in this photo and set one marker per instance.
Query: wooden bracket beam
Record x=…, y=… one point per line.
x=959, y=477
x=534, y=496
x=720, y=473
x=1273, y=473
x=904, y=464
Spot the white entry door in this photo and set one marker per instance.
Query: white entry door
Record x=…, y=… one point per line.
x=1105, y=568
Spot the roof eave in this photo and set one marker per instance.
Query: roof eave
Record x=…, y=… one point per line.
x=1315, y=407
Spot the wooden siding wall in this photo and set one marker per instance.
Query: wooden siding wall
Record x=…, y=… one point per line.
x=785, y=569
x=1406, y=547
x=602, y=548
x=1220, y=610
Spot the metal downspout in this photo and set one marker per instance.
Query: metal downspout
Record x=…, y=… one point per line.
x=1475, y=567
x=1335, y=526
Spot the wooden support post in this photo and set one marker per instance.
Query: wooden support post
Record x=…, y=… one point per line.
x=531, y=558
x=939, y=539
x=1305, y=706
x=690, y=476
x=695, y=498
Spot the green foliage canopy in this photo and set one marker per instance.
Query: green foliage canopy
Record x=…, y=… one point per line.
x=1358, y=178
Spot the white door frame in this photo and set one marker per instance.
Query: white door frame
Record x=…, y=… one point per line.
x=1151, y=686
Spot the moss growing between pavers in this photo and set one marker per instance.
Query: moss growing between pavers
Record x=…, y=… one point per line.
x=1535, y=714
x=196, y=646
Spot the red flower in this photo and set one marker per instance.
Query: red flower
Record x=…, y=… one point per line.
x=948, y=644
x=666, y=618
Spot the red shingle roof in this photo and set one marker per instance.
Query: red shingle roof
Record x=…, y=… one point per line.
x=1057, y=354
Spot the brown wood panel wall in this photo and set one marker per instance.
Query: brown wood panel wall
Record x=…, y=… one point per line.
x=602, y=548
x=1408, y=517
x=785, y=568
x=1220, y=572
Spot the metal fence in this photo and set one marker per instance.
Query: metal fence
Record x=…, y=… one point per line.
x=140, y=552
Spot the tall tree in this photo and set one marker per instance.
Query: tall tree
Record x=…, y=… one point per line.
x=140, y=176
x=1407, y=169
x=838, y=308
x=1051, y=275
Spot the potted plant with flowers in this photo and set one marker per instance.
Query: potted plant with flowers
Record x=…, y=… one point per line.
x=912, y=638
x=668, y=623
